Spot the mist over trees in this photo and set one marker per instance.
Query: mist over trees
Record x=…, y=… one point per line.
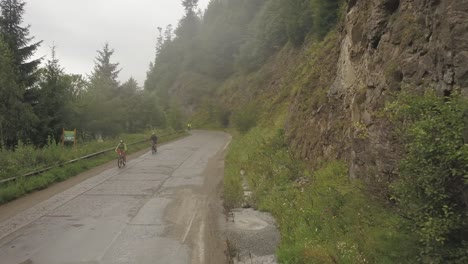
x=231, y=36
x=36, y=102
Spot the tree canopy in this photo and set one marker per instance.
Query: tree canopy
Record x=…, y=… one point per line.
x=18, y=40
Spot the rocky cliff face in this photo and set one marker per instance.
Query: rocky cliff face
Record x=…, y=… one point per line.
x=385, y=46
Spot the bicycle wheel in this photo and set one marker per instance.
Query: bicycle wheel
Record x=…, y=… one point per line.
x=120, y=162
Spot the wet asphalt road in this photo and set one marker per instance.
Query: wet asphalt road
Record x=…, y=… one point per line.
x=128, y=215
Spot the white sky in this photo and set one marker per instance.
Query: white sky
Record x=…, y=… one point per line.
x=80, y=27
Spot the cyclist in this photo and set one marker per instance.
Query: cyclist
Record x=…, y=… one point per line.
x=121, y=149
x=154, y=140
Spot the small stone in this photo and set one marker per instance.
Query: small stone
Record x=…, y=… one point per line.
x=449, y=77
x=366, y=118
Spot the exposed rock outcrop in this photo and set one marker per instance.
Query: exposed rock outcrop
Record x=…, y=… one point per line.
x=386, y=45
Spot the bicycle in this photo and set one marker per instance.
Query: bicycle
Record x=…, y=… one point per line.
x=154, y=148
x=121, y=162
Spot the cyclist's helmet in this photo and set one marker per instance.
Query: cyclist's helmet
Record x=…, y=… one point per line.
x=121, y=141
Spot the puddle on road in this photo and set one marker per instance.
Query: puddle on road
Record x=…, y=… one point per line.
x=253, y=236
x=245, y=221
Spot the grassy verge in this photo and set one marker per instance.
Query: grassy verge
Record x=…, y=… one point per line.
x=23, y=186
x=323, y=216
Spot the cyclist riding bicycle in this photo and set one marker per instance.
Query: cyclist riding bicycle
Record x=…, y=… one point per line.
x=121, y=149
x=154, y=140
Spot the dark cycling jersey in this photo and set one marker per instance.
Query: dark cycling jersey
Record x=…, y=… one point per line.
x=154, y=138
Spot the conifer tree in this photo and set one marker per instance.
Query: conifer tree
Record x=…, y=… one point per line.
x=105, y=72
x=16, y=117
x=189, y=24
x=53, y=96
x=103, y=108
x=159, y=42
x=18, y=41
x=168, y=33
x=190, y=5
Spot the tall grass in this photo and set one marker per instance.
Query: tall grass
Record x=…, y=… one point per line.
x=323, y=216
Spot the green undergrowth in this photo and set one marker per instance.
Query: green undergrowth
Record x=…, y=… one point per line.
x=322, y=215
x=56, y=154
x=433, y=185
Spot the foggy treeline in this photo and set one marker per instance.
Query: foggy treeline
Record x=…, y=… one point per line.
x=230, y=37
x=37, y=101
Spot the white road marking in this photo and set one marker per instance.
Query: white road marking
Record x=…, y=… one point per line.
x=189, y=227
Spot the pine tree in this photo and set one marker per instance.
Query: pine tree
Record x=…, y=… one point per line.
x=168, y=33
x=130, y=102
x=159, y=42
x=190, y=5
x=16, y=117
x=103, y=79
x=18, y=40
x=53, y=97
x=189, y=24
x=103, y=113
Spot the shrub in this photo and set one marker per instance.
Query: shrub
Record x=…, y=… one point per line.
x=432, y=188
x=325, y=16
x=245, y=119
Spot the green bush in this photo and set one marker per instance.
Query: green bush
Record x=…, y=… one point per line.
x=326, y=14
x=433, y=187
x=244, y=119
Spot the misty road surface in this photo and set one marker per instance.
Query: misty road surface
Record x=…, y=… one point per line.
x=161, y=208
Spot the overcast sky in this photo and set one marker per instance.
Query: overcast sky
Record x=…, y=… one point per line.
x=80, y=27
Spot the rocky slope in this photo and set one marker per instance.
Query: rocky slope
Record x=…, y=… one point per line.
x=384, y=46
